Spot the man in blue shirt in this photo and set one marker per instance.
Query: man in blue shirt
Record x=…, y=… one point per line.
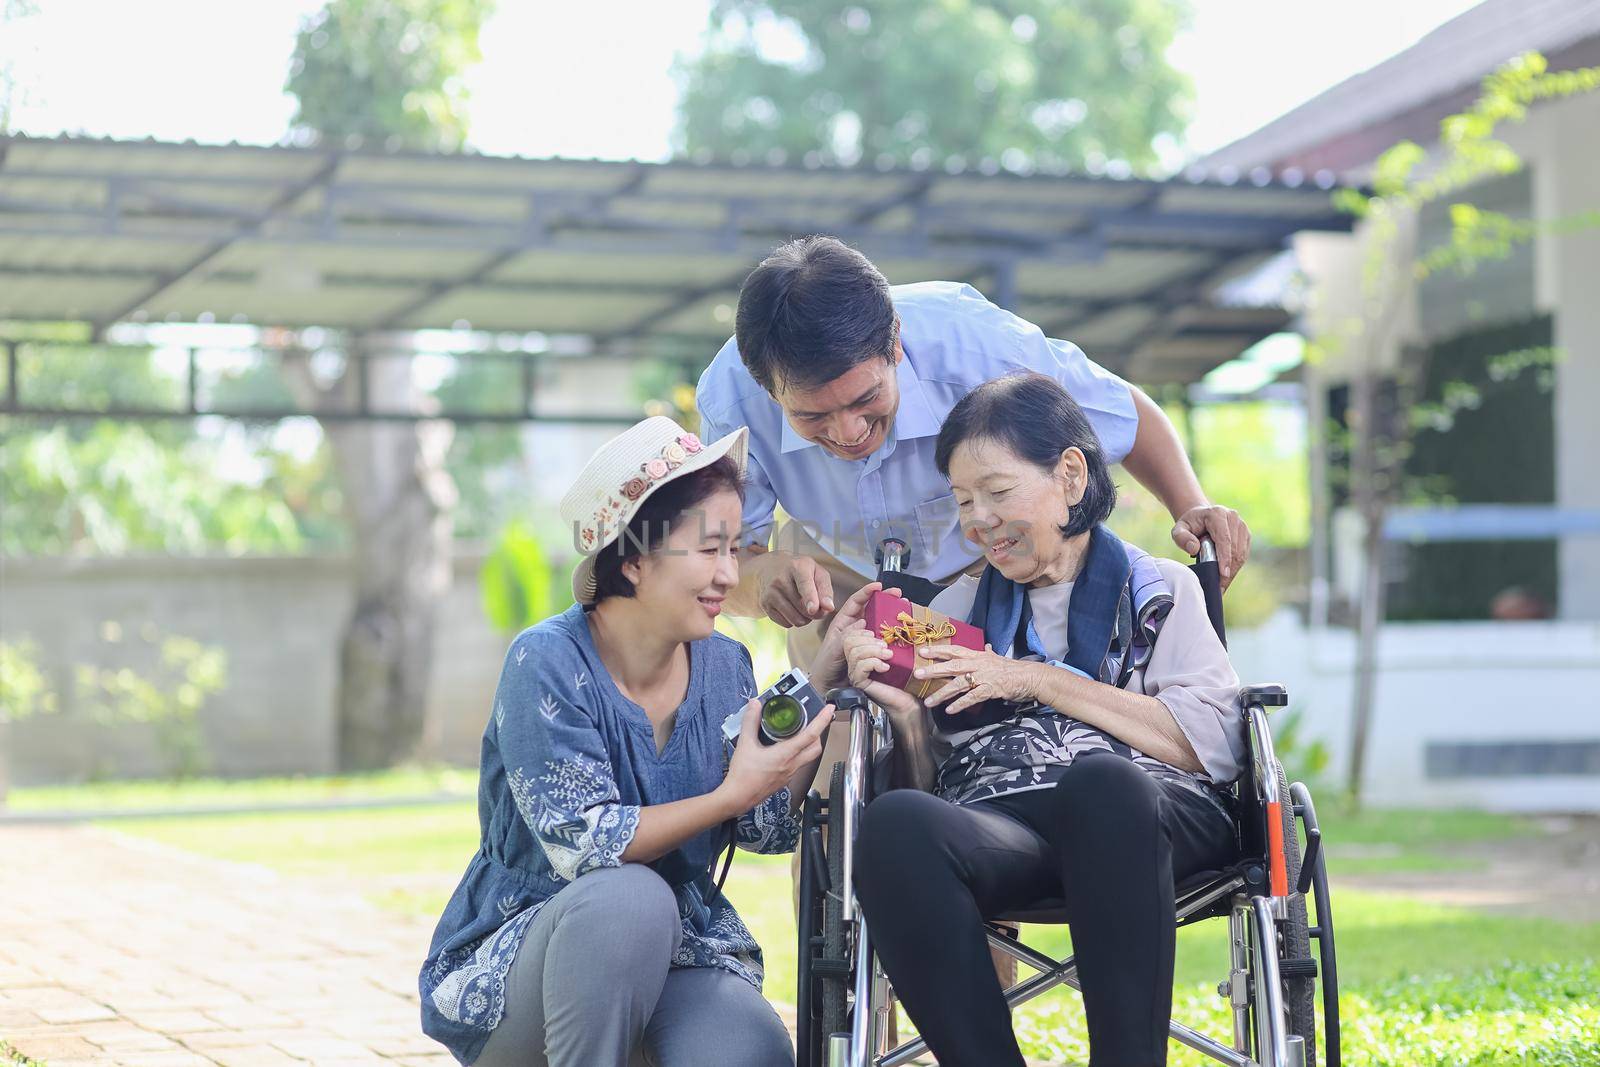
x=844, y=381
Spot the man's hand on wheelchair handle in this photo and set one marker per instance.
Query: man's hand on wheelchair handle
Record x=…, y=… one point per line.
x=757, y=771
x=1226, y=530
x=976, y=676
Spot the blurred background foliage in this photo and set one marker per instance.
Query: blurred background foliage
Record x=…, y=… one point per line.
x=1026, y=83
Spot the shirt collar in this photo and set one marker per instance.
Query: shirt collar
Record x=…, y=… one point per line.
x=914, y=418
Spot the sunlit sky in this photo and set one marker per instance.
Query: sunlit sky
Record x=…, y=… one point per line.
x=591, y=78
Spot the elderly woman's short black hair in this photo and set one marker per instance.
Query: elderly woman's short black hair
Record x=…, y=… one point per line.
x=662, y=512
x=810, y=312
x=1032, y=416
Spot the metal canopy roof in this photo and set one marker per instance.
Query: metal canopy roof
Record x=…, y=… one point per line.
x=106, y=231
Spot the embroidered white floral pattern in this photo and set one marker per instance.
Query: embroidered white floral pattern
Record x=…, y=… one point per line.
x=769, y=826
x=472, y=989
x=573, y=812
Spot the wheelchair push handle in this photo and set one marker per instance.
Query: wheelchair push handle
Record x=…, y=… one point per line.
x=846, y=699
x=893, y=555
x=1206, y=569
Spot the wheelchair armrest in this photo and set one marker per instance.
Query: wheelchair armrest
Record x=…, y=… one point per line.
x=1267, y=694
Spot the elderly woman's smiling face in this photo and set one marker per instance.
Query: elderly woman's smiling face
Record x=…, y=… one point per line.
x=1014, y=509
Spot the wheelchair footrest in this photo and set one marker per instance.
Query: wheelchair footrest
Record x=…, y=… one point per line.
x=1300, y=968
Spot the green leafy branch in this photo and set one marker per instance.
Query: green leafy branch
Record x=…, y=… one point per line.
x=25, y=691
x=168, y=698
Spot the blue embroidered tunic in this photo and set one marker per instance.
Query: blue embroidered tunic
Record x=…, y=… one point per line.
x=567, y=763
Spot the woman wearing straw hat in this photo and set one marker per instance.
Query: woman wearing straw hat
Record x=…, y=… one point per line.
x=587, y=931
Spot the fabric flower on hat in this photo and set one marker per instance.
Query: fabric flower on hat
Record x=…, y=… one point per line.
x=674, y=454
x=691, y=444
x=656, y=468
x=635, y=488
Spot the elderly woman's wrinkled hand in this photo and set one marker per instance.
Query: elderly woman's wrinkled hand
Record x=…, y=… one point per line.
x=976, y=676
x=866, y=655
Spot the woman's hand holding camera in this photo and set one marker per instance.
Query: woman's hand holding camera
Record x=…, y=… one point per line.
x=757, y=771
x=977, y=676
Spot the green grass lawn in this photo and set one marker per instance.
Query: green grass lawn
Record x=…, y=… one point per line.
x=237, y=793
x=1422, y=984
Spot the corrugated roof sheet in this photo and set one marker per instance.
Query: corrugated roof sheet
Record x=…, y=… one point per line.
x=105, y=231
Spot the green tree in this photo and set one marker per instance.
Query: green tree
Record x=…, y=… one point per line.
x=102, y=486
x=389, y=70
x=484, y=457
x=909, y=81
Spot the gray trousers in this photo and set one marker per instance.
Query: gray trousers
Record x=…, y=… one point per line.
x=593, y=986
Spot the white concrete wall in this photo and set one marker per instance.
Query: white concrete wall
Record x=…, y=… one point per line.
x=1561, y=144
x=279, y=621
x=1443, y=682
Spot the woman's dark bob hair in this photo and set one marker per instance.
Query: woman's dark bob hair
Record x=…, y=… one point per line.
x=661, y=513
x=1032, y=416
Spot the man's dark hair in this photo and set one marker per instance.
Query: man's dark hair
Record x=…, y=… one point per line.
x=811, y=311
x=1031, y=415
x=662, y=512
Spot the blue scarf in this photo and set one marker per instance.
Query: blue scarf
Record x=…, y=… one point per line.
x=1119, y=601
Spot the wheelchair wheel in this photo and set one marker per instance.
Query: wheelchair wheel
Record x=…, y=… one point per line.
x=1297, y=970
x=835, y=941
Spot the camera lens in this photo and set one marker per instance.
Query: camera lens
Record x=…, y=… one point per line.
x=782, y=716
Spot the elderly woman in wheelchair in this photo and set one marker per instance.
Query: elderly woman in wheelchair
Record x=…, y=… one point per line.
x=1079, y=760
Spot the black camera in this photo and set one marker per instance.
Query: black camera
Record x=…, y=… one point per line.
x=787, y=707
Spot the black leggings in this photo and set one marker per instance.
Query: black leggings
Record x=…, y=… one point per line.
x=1107, y=839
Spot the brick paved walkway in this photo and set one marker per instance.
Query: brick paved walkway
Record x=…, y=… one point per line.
x=114, y=950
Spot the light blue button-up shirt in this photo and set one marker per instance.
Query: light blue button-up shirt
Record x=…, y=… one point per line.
x=954, y=340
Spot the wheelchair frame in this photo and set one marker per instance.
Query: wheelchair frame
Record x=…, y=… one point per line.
x=1263, y=895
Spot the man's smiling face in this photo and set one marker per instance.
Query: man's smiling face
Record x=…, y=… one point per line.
x=851, y=415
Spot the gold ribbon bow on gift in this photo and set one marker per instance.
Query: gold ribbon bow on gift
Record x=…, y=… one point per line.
x=917, y=633
x=913, y=631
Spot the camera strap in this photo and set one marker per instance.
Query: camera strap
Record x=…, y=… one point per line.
x=717, y=880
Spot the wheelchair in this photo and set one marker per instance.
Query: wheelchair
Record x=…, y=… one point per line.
x=1271, y=983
